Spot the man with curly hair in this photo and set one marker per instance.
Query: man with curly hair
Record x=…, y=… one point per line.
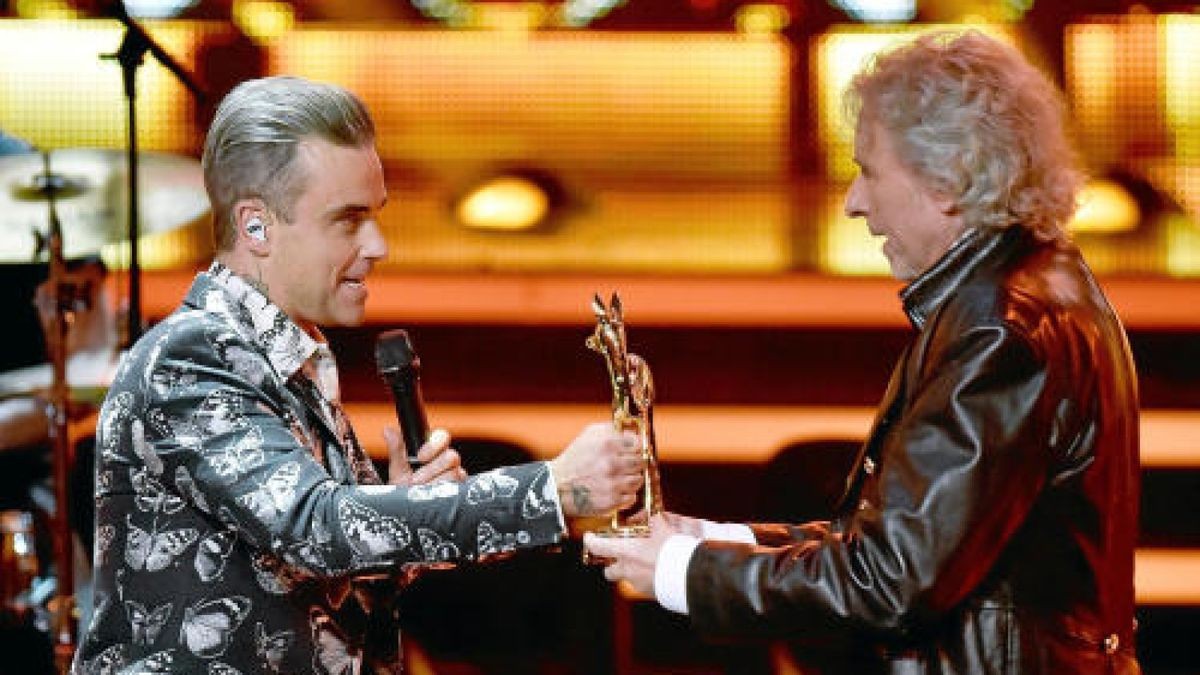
x=990, y=521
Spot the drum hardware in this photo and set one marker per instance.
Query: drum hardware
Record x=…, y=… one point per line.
x=88, y=377
x=64, y=295
x=18, y=561
x=94, y=218
x=129, y=55
x=92, y=212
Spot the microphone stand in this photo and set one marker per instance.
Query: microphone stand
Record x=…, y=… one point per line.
x=64, y=296
x=129, y=55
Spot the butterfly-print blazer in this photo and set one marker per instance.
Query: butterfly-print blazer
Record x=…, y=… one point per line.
x=240, y=526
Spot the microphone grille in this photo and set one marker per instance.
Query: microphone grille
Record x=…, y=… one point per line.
x=394, y=351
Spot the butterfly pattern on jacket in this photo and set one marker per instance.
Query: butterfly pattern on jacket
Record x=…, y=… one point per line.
x=213, y=553
x=272, y=648
x=112, y=418
x=243, y=456
x=237, y=528
x=183, y=431
x=208, y=626
x=171, y=379
x=274, y=497
x=371, y=533
x=490, y=486
x=150, y=495
x=155, y=550
x=145, y=623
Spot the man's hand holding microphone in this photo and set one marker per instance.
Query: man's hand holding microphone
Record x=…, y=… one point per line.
x=599, y=472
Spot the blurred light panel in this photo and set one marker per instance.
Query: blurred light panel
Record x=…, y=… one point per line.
x=69, y=97
x=683, y=105
x=1113, y=81
x=878, y=10
x=622, y=228
x=45, y=9
x=1182, y=245
x=1180, y=84
x=518, y=17
x=1136, y=100
x=189, y=246
x=678, y=141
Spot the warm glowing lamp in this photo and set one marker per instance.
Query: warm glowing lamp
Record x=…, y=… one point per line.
x=1105, y=207
x=263, y=20
x=762, y=19
x=505, y=203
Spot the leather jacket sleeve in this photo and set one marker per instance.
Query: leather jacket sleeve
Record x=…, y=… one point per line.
x=959, y=470
x=782, y=534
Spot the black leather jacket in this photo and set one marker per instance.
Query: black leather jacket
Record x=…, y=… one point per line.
x=990, y=524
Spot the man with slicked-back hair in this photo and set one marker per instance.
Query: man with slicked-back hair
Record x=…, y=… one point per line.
x=240, y=526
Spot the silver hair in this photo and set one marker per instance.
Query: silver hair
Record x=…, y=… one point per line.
x=976, y=122
x=250, y=150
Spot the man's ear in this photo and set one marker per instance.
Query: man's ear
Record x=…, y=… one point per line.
x=251, y=220
x=947, y=205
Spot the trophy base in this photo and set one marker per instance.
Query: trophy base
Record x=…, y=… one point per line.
x=624, y=531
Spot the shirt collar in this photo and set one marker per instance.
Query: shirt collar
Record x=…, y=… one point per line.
x=286, y=345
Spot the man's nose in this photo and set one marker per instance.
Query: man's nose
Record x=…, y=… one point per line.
x=373, y=244
x=855, y=206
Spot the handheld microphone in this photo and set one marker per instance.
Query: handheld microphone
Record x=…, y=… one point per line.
x=400, y=367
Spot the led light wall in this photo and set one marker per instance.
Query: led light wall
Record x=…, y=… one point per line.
x=673, y=146
x=1135, y=95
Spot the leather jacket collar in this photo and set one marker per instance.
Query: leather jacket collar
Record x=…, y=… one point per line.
x=976, y=249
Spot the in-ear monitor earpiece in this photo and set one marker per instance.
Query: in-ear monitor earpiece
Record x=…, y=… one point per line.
x=255, y=229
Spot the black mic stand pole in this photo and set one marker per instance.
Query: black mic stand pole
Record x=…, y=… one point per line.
x=133, y=48
x=64, y=619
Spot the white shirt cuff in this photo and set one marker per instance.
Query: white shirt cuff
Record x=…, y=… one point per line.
x=670, y=572
x=735, y=532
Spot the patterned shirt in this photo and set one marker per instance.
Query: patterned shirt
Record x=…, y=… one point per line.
x=240, y=526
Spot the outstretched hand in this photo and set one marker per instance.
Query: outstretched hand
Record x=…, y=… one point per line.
x=438, y=460
x=599, y=472
x=632, y=559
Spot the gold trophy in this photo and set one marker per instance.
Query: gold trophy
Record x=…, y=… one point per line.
x=632, y=410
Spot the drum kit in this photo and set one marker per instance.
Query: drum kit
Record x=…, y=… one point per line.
x=58, y=205
x=87, y=189
x=54, y=207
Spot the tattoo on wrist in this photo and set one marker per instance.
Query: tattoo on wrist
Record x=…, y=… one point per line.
x=582, y=498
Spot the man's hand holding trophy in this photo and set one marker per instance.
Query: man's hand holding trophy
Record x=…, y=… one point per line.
x=632, y=410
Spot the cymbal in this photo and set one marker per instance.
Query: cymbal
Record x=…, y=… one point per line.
x=90, y=187
x=88, y=376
